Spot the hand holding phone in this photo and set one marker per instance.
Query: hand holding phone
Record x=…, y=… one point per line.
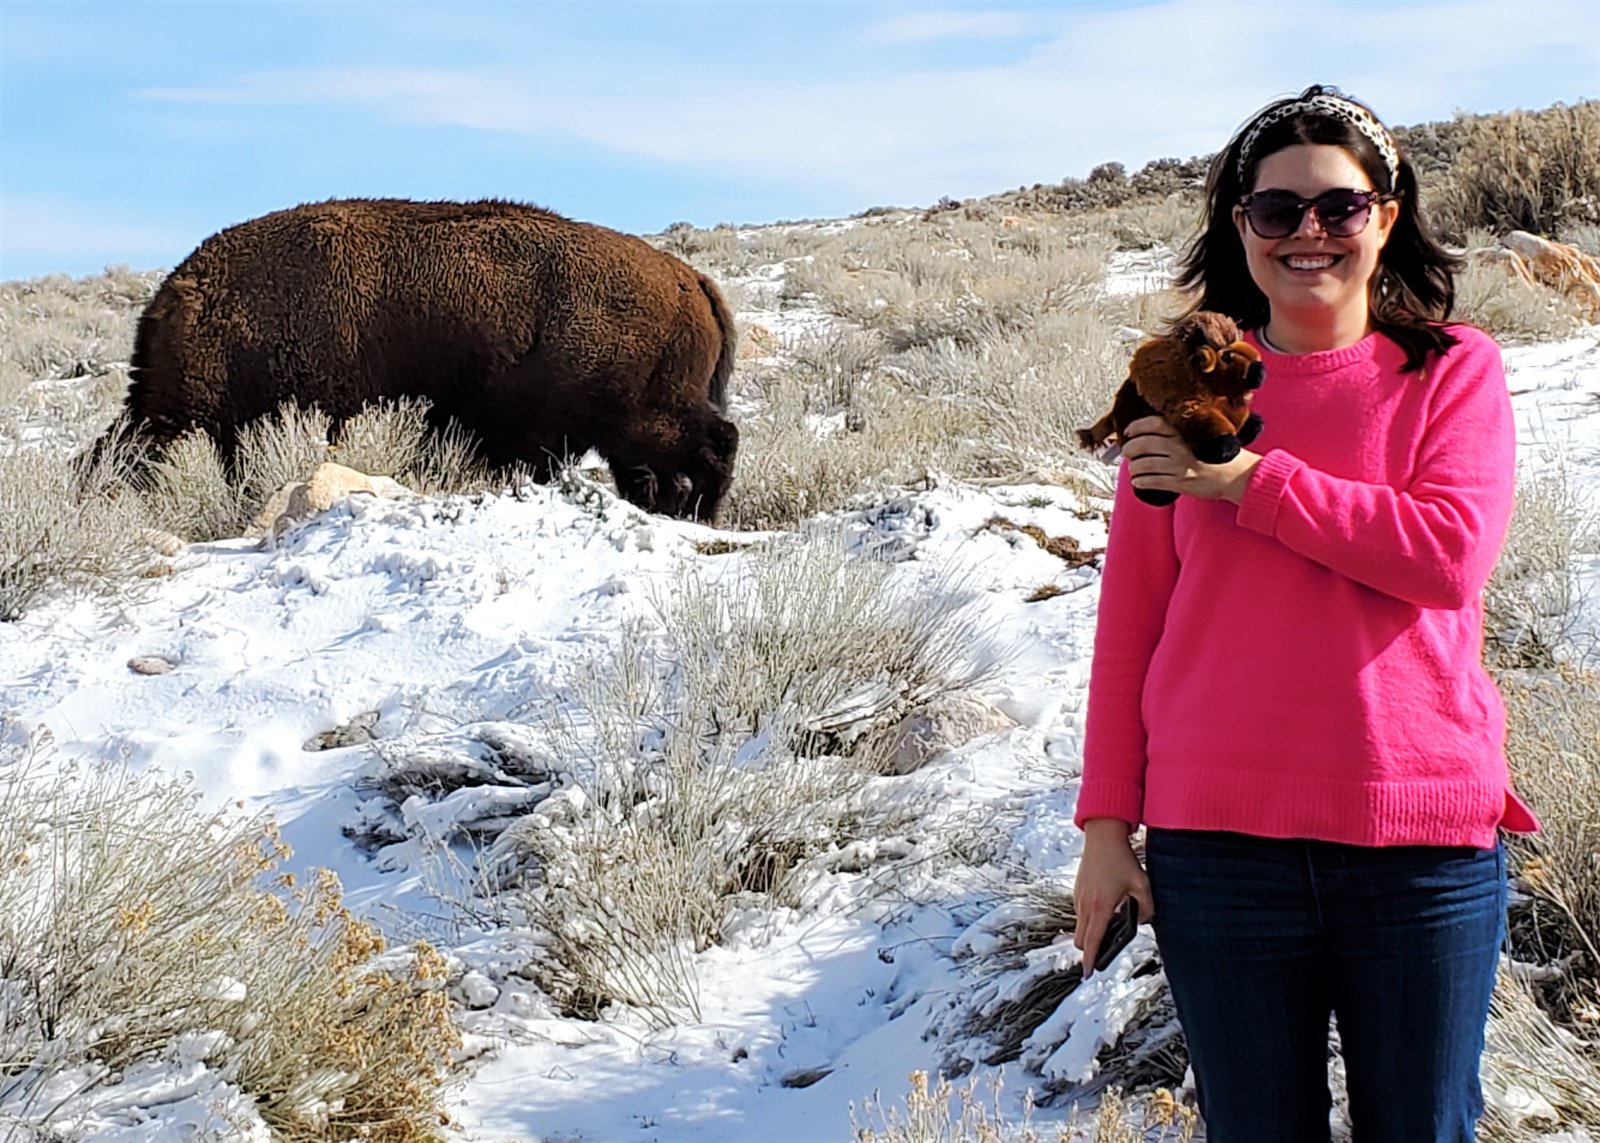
x=1120, y=929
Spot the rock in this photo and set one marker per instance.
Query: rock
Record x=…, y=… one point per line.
x=937, y=727
x=359, y=730
x=805, y=1077
x=329, y=484
x=1560, y=267
x=150, y=665
x=162, y=543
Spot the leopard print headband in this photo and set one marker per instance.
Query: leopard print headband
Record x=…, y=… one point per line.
x=1334, y=107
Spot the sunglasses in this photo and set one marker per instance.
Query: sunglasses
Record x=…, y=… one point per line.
x=1342, y=213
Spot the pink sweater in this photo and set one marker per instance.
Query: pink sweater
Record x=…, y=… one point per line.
x=1308, y=663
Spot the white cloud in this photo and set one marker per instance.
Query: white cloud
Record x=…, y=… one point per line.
x=1171, y=78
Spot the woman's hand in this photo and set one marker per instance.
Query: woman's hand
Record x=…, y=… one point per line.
x=1107, y=874
x=1159, y=460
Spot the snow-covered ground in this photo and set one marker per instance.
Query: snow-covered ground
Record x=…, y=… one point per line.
x=439, y=614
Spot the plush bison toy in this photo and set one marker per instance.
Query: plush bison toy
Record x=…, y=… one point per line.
x=541, y=336
x=1200, y=377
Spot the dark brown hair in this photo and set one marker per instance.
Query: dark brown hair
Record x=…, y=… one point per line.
x=1413, y=289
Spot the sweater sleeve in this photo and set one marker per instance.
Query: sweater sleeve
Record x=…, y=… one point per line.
x=1433, y=542
x=1140, y=569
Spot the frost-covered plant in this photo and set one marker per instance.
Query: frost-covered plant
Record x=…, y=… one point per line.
x=1531, y=603
x=728, y=763
x=131, y=918
x=806, y=633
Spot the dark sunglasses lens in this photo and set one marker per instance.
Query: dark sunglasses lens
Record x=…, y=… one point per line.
x=1275, y=215
x=1343, y=213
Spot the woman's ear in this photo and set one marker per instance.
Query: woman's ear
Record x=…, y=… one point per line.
x=1238, y=221
x=1388, y=212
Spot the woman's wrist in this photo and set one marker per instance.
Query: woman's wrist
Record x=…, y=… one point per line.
x=1238, y=478
x=1108, y=829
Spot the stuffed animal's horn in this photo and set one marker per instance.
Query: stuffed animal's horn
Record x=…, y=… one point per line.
x=1205, y=359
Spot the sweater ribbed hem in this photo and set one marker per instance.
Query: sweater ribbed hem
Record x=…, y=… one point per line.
x=1449, y=811
x=1109, y=798
x=1258, y=508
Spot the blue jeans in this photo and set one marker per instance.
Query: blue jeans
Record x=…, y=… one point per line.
x=1263, y=938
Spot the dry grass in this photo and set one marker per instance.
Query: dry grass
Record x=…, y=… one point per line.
x=808, y=635
x=729, y=763
x=1493, y=298
x=1532, y=1064
x=941, y=1112
x=985, y=404
x=189, y=492
x=1530, y=604
x=1554, y=745
x=1524, y=170
x=68, y=528
x=131, y=917
x=64, y=348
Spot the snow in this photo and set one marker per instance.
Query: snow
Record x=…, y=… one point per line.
x=441, y=615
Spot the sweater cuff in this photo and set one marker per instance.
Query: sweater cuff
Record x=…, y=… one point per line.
x=1258, y=509
x=1110, y=798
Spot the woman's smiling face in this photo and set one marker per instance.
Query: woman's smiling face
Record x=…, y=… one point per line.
x=1313, y=280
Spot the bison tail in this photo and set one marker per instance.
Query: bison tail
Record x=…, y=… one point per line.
x=730, y=343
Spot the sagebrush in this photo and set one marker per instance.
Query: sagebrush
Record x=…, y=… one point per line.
x=131, y=917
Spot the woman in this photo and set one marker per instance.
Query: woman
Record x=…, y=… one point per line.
x=1287, y=687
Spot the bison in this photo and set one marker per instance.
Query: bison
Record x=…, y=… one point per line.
x=542, y=336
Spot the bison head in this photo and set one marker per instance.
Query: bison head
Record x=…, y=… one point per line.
x=695, y=486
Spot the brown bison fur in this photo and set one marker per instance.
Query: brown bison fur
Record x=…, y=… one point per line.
x=1201, y=377
x=542, y=336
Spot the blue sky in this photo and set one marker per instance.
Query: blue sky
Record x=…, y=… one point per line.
x=131, y=130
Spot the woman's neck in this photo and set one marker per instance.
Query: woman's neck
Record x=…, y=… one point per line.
x=1287, y=334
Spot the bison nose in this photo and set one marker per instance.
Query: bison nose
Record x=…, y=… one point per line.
x=1254, y=375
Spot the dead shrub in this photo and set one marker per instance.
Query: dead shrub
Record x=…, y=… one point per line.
x=1530, y=603
x=69, y=528
x=1553, y=741
x=941, y=1112
x=130, y=916
x=190, y=493
x=1523, y=170
x=730, y=764
x=1493, y=298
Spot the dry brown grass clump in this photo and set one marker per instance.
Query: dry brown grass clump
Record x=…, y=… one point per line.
x=131, y=918
x=1523, y=170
